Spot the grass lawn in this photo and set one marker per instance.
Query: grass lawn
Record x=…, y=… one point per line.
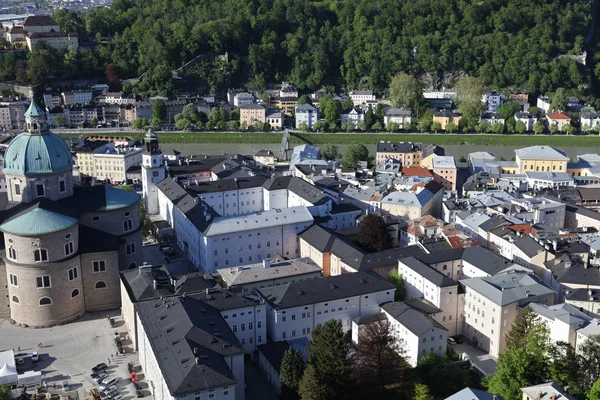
x=372, y=138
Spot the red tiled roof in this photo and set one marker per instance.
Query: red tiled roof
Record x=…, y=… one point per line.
x=558, y=115
x=416, y=171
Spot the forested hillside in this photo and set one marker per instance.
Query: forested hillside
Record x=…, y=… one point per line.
x=350, y=43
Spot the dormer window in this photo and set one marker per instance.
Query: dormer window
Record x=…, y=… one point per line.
x=40, y=190
x=62, y=185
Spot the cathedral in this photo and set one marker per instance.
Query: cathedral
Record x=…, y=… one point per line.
x=64, y=244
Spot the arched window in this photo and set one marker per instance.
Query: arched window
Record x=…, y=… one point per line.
x=40, y=255
x=100, y=285
x=15, y=299
x=75, y=293
x=12, y=253
x=45, y=301
x=62, y=184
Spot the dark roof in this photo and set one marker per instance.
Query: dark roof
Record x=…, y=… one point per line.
x=402, y=147
x=196, y=210
x=589, y=193
x=480, y=257
x=326, y=240
x=528, y=245
x=225, y=299
x=576, y=274
x=432, y=275
x=39, y=20
x=190, y=340
x=140, y=283
x=582, y=294
x=415, y=321
x=320, y=290
x=36, y=35
x=223, y=185
x=345, y=208
x=274, y=352
x=422, y=305
x=434, y=246
x=494, y=222
x=94, y=241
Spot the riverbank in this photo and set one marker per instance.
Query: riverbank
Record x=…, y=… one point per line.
x=370, y=138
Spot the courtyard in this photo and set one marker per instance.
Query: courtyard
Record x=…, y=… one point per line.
x=69, y=352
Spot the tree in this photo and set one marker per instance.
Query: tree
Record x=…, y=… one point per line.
x=234, y=125
x=331, y=110
x=355, y=153
x=565, y=366
x=560, y=100
x=425, y=123
x=377, y=360
x=436, y=127
x=4, y=392
x=362, y=125
x=498, y=128
x=373, y=234
x=508, y=110
x=292, y=369
x=520, y=127
x=60, y=120
x=524, y=322
x=319, y=126
x=304, y=99
x=594, y=393
x=392, y=127
x=303, y=126
x=568, y=129
x=140, y=123
x=469, y=91
x=585, y=128
x=347, y=103
x=329, y=152
x=553, y=128
x=396, y=279
x=112, y=78
x=377, y=126
x=589, y=370
x=159, y=110
x=451, y=127
x=326, y=376
x=522, y=365
x=539, y=127
x=190, y=111
x=422, y=392
x=597, y=128
x=183, y=124
x=407, y=92
x=483, y=127
x=347, y=126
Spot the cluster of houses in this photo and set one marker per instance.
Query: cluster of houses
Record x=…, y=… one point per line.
x=41, y=28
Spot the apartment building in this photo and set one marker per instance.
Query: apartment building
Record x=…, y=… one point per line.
x=423, y=281
x=445, y=172
x=252, y=114
x=111, y=163
x=492, y=304
x=540, y=159
x=563, y=321
x=295, y=309
x=420, y=200
x=409, y=154
x=362, y=97
x=399, y=116
x=55, y=40
x=306, y=114
x=492, y=100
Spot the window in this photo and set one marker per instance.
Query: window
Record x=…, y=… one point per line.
x=75, y=293
x=100, y=285
x=15, y=299
x=39, y=189
x=243, y=327
x=130, y=248
x=235, y=328
x=72, y=274
x=127, y=225
x=284, y=335
x=259, y=339
x=17, y=189
x=258, y=324
x=62, y=187
x=96, y=218
x=14, y=280
x=99, y=266
x=68, y=248
x=12, y=253
x=43, y=281
x=283, y=318
x=40, y=255
x=126, y=214
x=45, y=301
x=250, y=326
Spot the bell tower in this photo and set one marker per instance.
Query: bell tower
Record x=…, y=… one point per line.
x=153, y=171
x=35, y=119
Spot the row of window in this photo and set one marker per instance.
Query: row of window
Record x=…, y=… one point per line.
x=40, y=188
x=305, y=331
x=44, y=281
x=250, y=326
x=45, y=301
x=41, y=255
x=250, y=258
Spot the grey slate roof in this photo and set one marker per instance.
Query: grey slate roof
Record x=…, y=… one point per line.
x=541, y=153
x=185, y=327
x=562, y=312
x=473, y=394
x=320, y=290
x=257, y=272
x=140, y=282
x=548, y=391
x=432, y=275
x=415, y=321
x=508, y=288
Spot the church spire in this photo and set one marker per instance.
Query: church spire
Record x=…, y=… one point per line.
x=35, y=119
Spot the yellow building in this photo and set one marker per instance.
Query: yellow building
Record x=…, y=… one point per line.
x=444, y=117
x=541, y=159
x=287, y=104
x=251, y=114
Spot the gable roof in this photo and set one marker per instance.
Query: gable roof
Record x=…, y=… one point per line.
x=432, y=275
x=39, y=20
x=415, y=321
x=541, y=153
x=473, y=394
x=320, y=290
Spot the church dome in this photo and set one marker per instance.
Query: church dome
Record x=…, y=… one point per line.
x=37, y=152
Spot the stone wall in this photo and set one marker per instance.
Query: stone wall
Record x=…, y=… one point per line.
x=26, y=91
x=102, y=298
x=4, y=299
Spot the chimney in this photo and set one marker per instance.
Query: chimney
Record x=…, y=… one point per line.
x=197, y=360
x=539, y=395
x=196, y=351
x=155, y=284
x=266, y=262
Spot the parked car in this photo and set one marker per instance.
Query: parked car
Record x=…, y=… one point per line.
x=118, y=397
x=109, y=388
x=100, y=367
x=109, y=381
x=35, y=357
x=451, y=340
x=458, y=339
x=100, y=377
x=66, y=386
x=111, y=393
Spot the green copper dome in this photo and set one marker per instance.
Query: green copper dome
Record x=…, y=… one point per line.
x=34, y=110
x=38, y=222
x=35, y=153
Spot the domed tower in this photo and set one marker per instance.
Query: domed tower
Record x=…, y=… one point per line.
x=38, y=163
x=153, y=171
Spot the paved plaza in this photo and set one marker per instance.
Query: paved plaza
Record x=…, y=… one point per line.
x=70, y=351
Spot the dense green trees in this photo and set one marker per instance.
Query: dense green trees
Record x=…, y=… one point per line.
x=355, y=153
x=407, y=92
x=292, y=369
x=373, y=234
x=353, y=44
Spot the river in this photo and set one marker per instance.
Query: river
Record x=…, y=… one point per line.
x=508, y=152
